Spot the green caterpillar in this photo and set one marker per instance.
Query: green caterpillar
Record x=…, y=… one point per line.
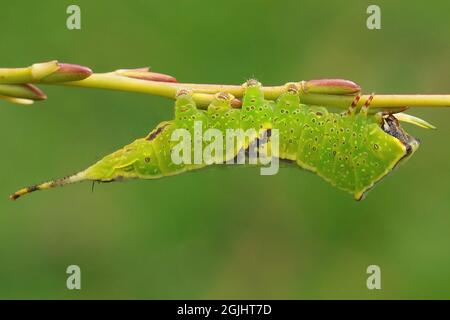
x=351, y=150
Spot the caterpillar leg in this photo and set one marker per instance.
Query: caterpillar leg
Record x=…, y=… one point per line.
x=253, y=95
x=288, y=101
x=352, y=108
x=221, y=117
x=255, y=111
x=222, y=102
x=365, y=108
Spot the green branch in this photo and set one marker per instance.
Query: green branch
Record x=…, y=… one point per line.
x=15, y=86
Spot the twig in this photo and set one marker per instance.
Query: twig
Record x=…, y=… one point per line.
x=333, y=93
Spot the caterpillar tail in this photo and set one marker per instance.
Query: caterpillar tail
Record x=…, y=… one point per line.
x=80, y=176
x=125, y=163
x=113, y=167
x=145, y=158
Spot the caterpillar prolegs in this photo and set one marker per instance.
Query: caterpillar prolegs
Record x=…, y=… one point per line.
x=352, y=150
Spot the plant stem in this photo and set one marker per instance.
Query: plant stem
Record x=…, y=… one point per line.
x=16, y=83
x=167, y=89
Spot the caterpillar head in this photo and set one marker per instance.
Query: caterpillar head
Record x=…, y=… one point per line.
x=391, y=125
x=392, y=146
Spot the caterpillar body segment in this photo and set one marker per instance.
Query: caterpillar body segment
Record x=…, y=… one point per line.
x=352, y=150
x=287, y=117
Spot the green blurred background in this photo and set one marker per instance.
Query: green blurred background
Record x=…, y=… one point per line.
x=221, y=232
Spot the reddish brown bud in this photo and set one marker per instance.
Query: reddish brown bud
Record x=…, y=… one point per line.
x=144, y=75
x=23, y=91
x=68, y=72
x=38, y=93
x=330, y=86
